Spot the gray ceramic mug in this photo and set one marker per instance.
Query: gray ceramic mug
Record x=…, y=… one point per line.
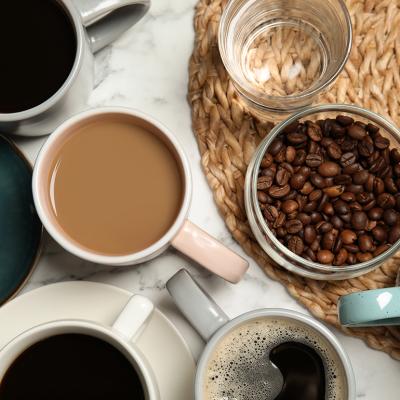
x=96, y=23
x=213, y=325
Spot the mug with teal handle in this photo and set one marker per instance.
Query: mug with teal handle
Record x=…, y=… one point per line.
x=377, y=307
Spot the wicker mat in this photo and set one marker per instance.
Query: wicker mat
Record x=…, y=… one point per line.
x=227, y=136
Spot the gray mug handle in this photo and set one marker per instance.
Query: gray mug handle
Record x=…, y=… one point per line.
x=106, y=20
x=196, y=305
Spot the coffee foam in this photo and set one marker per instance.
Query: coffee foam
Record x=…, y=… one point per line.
x=237, y=368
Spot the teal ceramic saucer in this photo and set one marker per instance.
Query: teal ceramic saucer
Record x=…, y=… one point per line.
x=20, y=228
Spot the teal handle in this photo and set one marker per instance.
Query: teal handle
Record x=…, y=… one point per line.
x=370, y=308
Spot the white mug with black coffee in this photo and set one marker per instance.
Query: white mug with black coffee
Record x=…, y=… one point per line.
x=269, y=354
x=46, y=69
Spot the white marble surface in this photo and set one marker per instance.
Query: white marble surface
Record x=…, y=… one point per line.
x=147, y=69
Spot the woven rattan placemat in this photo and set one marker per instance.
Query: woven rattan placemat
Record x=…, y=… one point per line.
x=227, y=136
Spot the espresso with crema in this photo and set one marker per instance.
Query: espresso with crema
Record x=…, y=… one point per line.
x=116, y=186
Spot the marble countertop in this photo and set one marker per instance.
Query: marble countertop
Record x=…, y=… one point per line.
x=146, y=69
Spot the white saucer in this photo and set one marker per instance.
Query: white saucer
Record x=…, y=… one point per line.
x=161, y=343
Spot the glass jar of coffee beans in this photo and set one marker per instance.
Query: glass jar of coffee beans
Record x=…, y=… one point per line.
x=322, y=192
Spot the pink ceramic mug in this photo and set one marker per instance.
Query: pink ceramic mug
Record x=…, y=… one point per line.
x=183, y=234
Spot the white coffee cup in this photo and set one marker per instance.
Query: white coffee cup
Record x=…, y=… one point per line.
x=122, y=336
x=183, y=234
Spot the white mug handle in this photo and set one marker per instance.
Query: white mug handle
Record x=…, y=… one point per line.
x=133, y=318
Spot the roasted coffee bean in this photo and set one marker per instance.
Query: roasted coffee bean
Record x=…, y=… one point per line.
x=395, y=155
x=390, y=216
x=316, y=217
x=296, y=137
x=290, y=154
x=340, y=257
x=365, y=148
x=278, y=192
x=369, y=184
x=359, y=220
x=386, y=200
x=327, y=141
x=297, y=181
x=275, y=147
x=300, y=157
x=356, y=132
x=352, y=169
x=291, y=127
x=337, y=131
x=342, y=179
x=304, y=218
x=364, y=197
x=325, y=227
x=394, y=234
x=334, y=191
x=307, y=188
x=315, y=245
x=270, y=213
x=379, y=186
x=360, y=177
x=344, y=120
x=348, y=197
x=267, y=160
x=341, y=207
x=354, y=188
x=262, y=197
x=314, y=160
x=381, y=249
x=348, y=236
x=369, y=205
x=365, y=243
x=379, y=233
x=373, y=129
x=281, y=232
x=377, y=165
x=337, y=222
x=264, y=182
x=375, y=213
x=364, y=257
x=289, y=206
x=355, y=206
x=309, y=234
x=296, y=245
x=310, y=207
x=329, y=168
x=347, y=159
x=381, y=142
x=311, y=254
x=280, y=220
x=337, y=246
x=282, y=177
x=390, y=185
x=317, y=180
x=347, y=145
x=328, y=209
x=351, y=248
x=315, y=195
x=334, y=151
x=346, y=218
x=325, y=256
x=351, y=258
x=329, y=239
x=314, y=132
x=293, y=226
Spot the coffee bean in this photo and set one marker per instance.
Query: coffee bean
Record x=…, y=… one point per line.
x=373, y=129
x=310, y=207
x=328, y=209
x=264, y=182
x=334, y=191
x=386, y=200
x=337, y=222
x=390, y=185
x=354, y=188
x=307, y=188
x=352, y=169
x=292, y=127
x=390, y=216
x=342, y=179
x=341, y=207
x=360, y=177
x=296, y=137
x=279, y=191
x=290, y=154
x=289, y=206
x=356, y=132
x=282, y=177
x=275, y=147
x=365, y=148
x=379, y=186
x=271, y=213
x=309, y=234
x=325, y=256
x=316, y=217
x=346, y=218
x=394, y=234
x=314, y=131
x=311, y=254
x=314, y=160
x=365, y=243
x=262, y=197
x=296, y=245
x=377, y=165
x=355, y=206
x=334, y=151
x=317, y=180
x=300, y=157
x=347, y=159
x=381, y=249
x=379, y=233
x=315, y=195
x=297, y=181
x=364, y=257
x=288, y=167
x=348, y=236
x=329, y=239
x=329, y=168
x=359, y=220
x=364, y=197
x=293, y=226
x=280, y=220
x=347, y=145
x=348, y=197
x=375, y=213
x=304, y=218
x=340, y=257
x=381, y=142
x=351, y=258
x=267, y=160
x=344, y=120
x=395, y=155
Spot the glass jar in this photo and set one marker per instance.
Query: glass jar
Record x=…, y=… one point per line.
x=278, y=252
x=281, y=54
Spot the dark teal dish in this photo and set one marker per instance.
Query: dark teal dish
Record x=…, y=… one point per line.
x=20, y=227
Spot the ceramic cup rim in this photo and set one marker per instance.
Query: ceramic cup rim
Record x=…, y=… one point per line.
x=275, y=313
x=62, y=238
x=28, y=338
x=80, y=35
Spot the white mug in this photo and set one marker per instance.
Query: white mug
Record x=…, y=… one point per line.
x=96, y=23
x=122, y=336
x=183, y=234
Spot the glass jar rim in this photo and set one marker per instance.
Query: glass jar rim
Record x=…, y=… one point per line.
x=251, y=186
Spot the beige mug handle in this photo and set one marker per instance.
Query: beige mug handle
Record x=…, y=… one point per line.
x=210, y=253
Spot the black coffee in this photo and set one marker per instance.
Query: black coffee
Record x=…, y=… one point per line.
x=71, y=366
x=38, y=49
